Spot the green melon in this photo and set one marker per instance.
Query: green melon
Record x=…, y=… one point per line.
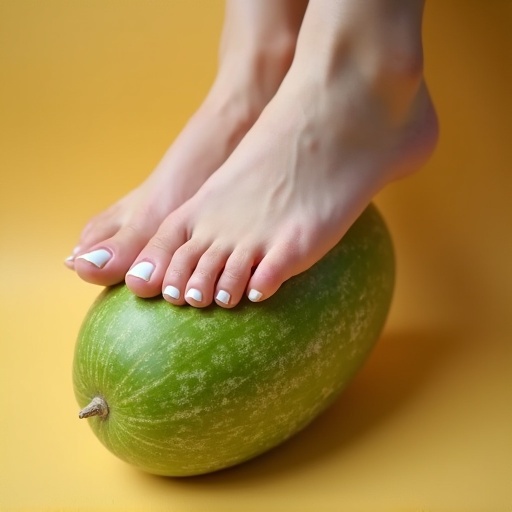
x=184, y=391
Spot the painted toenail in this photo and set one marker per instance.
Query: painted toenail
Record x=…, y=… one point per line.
x=142, y=270
x=99, y=257
x=255, y=295
x=223, y=297
x=194, y=294
x=72, y=257
x=70, y=262
x=172, y=291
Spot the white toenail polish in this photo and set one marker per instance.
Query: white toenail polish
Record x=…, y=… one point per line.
x=194, y=294
x=142, y=270
x=255, y=295
x=172, y=291
x=99, y=257
x=223, y=297
x=70, y=259
x=76, y=250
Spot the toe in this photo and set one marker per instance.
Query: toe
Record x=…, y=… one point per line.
x=97, y=232
x=233, y=280
x=98, y=265
x=179, y=270
x=144, y=278
x=200, y=286
x=70, y=260
x=106, y=263
x=278, y=265
x=101, y=227
x=147, y=273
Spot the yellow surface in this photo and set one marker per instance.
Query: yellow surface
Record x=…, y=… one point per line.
x=91, y=94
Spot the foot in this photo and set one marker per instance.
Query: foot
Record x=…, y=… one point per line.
x=256, y=53
x=346, y=121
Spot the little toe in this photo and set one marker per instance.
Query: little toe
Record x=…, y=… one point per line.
x=233, y=280
x=182, y=265
x=278, y=265
x=200, y=286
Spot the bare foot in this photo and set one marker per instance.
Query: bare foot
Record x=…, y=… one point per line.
x=352, y=114
x=257, y=48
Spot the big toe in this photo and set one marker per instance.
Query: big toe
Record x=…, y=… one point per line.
x=106, y=262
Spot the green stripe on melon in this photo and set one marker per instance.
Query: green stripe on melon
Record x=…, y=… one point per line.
x=184, y=391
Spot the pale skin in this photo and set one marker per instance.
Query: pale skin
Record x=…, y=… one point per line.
x=331, y=107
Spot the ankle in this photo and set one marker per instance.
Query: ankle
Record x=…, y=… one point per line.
x=379, y=53
x=392, y=51
x=395, y=74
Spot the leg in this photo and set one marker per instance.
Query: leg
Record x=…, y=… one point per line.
x=257, y=47
x=352, y=114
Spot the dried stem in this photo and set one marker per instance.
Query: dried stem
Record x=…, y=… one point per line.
x=97, y=407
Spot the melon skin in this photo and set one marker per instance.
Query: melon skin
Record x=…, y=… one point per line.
x=191, y=391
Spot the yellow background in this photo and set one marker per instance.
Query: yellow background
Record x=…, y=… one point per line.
x=91, y=94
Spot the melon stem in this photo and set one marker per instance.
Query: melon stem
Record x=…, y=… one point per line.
x=97, y=407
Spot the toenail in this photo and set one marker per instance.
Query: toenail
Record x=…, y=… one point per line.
x=72, y=257
x=194, y=294
x=142, y=270
x=172, y=291
x=223, y=297
x=70, y=262
x=255, y=295
x=99, y=257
